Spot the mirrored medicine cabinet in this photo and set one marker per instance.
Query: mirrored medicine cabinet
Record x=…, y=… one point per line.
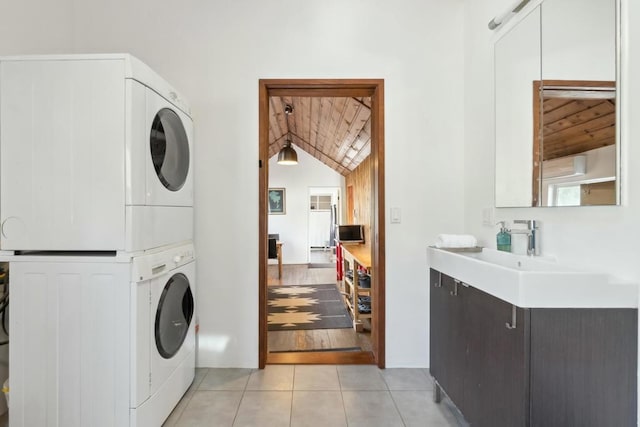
x=557, y=127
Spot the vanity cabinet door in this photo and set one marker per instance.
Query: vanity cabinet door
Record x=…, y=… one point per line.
x=447, y=336
x=437, y=326
x=496, y=389
x=584, y=367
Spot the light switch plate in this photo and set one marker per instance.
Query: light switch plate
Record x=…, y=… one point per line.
x=395, y=215
x=488, y=217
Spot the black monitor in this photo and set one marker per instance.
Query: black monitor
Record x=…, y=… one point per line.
x=351, y=233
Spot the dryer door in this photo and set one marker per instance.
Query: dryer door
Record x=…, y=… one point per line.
x=169, y=170
x=173, y=315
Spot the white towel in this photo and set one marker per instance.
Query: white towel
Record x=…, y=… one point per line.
x=456, y=241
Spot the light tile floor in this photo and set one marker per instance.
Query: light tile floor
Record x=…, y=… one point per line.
x=310, y=395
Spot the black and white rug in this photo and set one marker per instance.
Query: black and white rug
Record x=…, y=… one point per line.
x=299, y=307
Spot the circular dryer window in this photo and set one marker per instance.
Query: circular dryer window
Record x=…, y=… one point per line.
x=169, y=149
x=173, y=317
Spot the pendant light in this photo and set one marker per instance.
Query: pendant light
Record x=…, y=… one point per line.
x=287, y=155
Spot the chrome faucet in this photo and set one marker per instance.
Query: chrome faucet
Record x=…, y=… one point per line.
x=533, y=235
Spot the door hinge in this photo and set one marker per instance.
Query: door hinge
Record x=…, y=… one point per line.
x=260, y=163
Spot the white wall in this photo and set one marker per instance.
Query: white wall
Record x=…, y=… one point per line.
x=215, y=53
x=294, y=226
x=36, y=26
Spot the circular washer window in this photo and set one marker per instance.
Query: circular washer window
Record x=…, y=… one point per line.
x=173, y=317
x=169, y=149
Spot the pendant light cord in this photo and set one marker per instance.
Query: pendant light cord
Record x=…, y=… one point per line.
x=288, y=109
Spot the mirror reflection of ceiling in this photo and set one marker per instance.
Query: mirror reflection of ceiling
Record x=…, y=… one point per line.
x=573, y=125
x=336, y=131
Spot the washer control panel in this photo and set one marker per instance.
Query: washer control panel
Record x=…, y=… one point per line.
x=182, y=258
x=152, y=265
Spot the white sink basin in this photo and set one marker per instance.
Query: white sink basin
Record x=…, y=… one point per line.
x=532, y=282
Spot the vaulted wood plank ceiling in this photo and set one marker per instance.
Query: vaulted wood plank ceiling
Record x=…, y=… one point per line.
x=574, y=125
x=336, y=131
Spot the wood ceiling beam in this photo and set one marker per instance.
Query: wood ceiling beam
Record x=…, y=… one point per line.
x=361, y=103
x=324, y=93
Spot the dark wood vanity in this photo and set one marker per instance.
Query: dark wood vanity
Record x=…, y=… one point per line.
x=503, y=365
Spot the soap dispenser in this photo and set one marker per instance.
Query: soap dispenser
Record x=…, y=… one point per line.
x=503, y=238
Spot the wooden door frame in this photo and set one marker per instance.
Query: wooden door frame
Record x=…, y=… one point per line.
x=373, y=88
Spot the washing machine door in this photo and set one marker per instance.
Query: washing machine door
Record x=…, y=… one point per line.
x=173, y=315
x=169, y=171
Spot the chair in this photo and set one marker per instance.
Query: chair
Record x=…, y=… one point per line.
x=275, y=253
x=273, y=248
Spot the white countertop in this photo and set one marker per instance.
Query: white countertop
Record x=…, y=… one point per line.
x=532, y=282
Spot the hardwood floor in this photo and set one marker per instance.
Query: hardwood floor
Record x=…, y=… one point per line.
x=315, y=339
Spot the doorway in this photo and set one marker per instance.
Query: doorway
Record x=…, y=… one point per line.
x=323, y=218
x=374, y=89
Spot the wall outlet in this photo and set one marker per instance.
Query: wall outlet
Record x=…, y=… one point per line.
x=488, y=217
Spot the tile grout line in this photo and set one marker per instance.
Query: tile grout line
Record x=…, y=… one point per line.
x=291, y=409
x=293, y=386
x=395, y=404
x=344, y=407
x=244, y=390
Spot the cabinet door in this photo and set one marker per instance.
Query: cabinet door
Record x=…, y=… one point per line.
x=497, y=374
x=436, y=325
x=583, y=367
x=447, y=343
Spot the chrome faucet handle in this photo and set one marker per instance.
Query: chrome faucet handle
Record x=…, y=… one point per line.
x=533, y=246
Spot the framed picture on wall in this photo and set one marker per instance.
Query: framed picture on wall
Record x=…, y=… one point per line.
x=277, y=201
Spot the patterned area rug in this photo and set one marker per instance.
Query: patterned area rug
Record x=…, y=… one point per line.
x=306, y=307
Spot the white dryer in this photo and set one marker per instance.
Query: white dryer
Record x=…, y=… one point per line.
x=163, y=361
x=95, y=154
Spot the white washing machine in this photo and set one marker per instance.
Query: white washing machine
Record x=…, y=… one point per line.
x=95, y=155
x=163, y=361
x=101, y=340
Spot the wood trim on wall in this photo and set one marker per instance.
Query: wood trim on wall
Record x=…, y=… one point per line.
x=263, y=173
x=378, y=336
x=373, y=88
x=536, y=181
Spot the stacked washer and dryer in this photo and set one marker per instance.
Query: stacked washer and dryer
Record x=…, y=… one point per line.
x=96, y=211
